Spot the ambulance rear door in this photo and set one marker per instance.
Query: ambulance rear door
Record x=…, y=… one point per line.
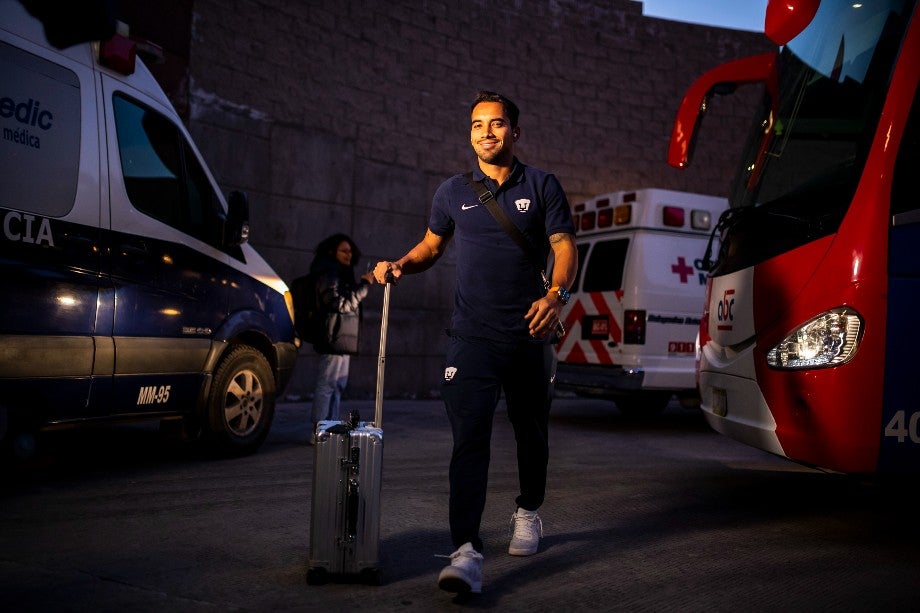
x=594, y=317
x=665, y=286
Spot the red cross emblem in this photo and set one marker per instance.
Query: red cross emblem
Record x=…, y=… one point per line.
x=682, y=269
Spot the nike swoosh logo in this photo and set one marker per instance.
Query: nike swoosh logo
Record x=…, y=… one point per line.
x=466, y=207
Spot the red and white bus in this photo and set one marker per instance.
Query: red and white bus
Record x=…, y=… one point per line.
x=807, y=342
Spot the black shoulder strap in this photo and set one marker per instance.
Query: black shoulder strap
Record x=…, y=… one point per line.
x=486, y=198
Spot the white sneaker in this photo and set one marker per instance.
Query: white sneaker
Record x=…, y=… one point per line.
x=526, y=530
x=464, y=573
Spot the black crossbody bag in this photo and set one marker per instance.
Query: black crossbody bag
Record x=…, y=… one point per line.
x=487, y=198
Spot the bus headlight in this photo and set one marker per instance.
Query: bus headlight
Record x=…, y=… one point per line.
x=830, y=339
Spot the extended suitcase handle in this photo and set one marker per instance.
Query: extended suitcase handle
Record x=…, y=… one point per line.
x=382, y=354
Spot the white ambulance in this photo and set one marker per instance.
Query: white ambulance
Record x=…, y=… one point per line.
x=128, y=289
x=635, y=307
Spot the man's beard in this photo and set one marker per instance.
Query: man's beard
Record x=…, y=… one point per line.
x=491, y=157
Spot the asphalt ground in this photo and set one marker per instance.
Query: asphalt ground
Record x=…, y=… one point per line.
x=659, y=514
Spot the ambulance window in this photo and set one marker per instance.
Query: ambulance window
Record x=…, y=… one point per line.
x=163, y=178
x=40, y=125
x=604, y=272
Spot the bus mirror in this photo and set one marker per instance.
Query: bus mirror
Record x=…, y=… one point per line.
x=785, y=19
x=236, y=228
x=722, y=80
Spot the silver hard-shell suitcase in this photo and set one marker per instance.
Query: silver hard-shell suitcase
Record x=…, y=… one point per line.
x=345, y=506
x=345, y=518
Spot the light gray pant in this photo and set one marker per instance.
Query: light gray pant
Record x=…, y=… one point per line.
x=331, y=380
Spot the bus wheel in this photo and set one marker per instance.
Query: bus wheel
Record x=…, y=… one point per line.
x=643, y=403
x=241, y=404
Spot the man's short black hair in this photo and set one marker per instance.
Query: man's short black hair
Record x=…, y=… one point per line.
x=511, y=108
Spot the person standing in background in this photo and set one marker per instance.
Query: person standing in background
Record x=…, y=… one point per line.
x=339, y=295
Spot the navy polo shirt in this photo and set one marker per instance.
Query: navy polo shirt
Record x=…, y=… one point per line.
x=496, y=281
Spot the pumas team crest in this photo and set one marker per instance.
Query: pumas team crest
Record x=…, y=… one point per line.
x=522, y=205
x=449, y=372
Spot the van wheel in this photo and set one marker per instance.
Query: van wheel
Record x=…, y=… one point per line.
x=241, y=404
x=643, y=403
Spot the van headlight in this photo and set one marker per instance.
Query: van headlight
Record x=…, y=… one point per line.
x=830, y=339
x=289, y=303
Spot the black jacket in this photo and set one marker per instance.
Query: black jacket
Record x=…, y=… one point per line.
x=340, y=296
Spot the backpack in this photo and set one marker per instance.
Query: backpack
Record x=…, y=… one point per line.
x=309, y=317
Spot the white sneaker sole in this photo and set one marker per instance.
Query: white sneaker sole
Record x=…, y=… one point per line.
x=519, y=551
x=450, y=582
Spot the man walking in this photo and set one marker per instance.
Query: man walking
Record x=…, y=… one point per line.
x=505, y=316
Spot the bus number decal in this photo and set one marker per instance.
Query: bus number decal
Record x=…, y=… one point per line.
x=902, y=428
x=150, y=394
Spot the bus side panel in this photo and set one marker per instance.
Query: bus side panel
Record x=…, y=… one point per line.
x=900, y=427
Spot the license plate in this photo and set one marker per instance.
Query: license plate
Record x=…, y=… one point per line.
x=595, y=327
x=719, y=402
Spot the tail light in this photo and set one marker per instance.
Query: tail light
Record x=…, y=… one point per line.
x=634, y=327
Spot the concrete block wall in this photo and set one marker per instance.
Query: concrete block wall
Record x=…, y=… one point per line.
x=345, y=115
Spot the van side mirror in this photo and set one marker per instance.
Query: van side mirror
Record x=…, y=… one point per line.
x=236, y=227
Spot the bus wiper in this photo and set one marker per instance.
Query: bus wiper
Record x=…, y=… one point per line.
x=801, y=219
x=813, y=223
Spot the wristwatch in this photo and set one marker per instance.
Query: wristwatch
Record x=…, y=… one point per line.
x=562, y=292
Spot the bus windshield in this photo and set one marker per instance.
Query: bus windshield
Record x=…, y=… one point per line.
x=812, y=131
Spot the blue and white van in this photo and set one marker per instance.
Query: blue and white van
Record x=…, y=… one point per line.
x=127, y=288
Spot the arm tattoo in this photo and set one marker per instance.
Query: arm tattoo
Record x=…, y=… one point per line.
x=555, y=238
